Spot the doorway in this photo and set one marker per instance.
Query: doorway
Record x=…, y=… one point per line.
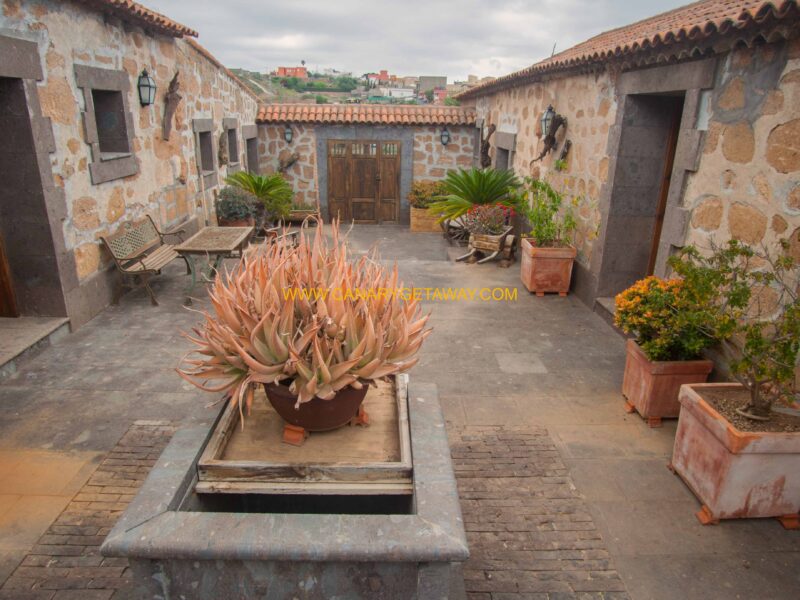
x=644, y=165
x=364, y=180
x=28, y=268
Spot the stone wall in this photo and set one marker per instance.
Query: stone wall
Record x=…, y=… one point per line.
x=423, y=156
x=748, y=183
x=589, y=104
x=165, y=182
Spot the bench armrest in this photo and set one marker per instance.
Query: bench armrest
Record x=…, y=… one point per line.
x=179, y=232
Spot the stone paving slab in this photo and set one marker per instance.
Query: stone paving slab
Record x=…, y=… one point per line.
x=530, y=533
x=65, y=562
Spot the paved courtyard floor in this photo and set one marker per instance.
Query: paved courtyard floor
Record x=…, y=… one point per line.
x=564, y=494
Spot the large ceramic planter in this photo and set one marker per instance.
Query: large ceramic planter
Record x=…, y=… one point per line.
x=296, y=216
x=734, y=474
x=423, y=221
x=651, y=387
x=545, y=270
x=316, y=414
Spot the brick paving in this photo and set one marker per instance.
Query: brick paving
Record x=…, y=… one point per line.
x=530, y=534
x=66, y=563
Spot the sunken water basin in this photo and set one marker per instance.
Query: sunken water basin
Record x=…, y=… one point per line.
x=185, y=543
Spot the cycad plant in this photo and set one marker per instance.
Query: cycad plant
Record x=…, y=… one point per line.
x=465, y=189
x=273, y=191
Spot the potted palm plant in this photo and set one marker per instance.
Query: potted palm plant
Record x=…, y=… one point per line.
x=422, y=195
x=547, y=255
x=235, y=207
x=273, y=194
x=671, y=326
x=464, y=189
x=311, y=326
x=735, y=447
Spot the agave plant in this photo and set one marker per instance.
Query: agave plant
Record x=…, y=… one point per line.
x=465, y=189
x=306, y=317
x=273, y=191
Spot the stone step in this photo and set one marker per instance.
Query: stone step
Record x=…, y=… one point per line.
x=25, y=337
x=605, y=308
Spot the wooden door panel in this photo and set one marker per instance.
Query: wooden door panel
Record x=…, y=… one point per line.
x=363, y=181
x=338, y=194
x=8, y=301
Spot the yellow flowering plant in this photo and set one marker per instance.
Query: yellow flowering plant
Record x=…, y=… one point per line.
x=670, y=319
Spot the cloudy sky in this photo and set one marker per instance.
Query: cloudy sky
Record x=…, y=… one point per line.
x=407, y=37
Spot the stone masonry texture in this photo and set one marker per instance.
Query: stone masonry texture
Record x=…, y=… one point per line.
x=530, y=534
x=66, y=563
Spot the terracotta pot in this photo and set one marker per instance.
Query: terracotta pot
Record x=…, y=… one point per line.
x=734, y=474
x=545, y=270
x=316, y=414
x=300, y=215
x=424, y=222
x=652, y=387
x=222, y=222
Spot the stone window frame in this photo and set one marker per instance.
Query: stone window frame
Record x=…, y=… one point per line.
x=106, y=166
x=249, y=132
x=504, y=140
x=209, y=179
x=231, y=124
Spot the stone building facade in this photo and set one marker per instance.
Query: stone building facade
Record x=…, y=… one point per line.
x=101, y=158
x=314, y=128
x=675, y=139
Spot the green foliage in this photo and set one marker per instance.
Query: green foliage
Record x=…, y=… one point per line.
x=671, y=319
x=755, y=300
x=273, y=191
x=449, y=101
x=541, y=205
x=320, y=99
x=429, y=95
x=488, y=219
x=423, y=192
x=464, y=189
x=560, y=164
x=234, y=204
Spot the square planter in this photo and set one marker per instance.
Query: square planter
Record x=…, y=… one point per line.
x=651, y=387
x=546, y=270
x=181, y=543
x=423, y=221
x=734, y=474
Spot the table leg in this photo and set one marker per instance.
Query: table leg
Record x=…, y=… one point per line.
x=193, y=272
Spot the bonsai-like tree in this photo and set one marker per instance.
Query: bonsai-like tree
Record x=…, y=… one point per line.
x=756, y=314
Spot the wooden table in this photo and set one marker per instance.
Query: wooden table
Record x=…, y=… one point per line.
x=216, y=242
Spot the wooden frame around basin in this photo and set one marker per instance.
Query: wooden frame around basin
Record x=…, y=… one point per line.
x=218, y=475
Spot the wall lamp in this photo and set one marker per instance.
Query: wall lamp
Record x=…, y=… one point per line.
x=551, y=122
x=445, y=137
x=147, y=88
x=288, y=134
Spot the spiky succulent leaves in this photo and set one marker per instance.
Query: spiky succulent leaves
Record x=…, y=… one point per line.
x=465, y=189
x=308, y=317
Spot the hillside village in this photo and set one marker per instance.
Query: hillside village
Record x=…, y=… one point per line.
x=332, y=86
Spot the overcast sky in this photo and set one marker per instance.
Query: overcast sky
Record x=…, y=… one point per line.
x=407, y=37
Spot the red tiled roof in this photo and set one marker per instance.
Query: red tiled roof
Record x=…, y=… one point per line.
x=374, y=114
x=127, y=10
x=665, y=34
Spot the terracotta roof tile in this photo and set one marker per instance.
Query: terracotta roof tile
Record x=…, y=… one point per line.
x=666, y=33
x=142, y=16
x=375, y=114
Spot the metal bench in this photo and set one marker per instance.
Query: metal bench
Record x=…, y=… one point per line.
x=140, y=253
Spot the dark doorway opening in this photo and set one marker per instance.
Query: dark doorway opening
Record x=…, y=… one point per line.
x=29, y=277
x=251, y=146
x=648, y=139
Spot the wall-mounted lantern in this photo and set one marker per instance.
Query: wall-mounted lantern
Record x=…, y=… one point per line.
x=445, y=137
x=288, y=134
x=147, y=88
x=550, y=122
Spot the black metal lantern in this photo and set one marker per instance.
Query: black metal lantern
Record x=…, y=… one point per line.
x=445, y=137
x=147, y=89
x=547, y=120
x=288, y=134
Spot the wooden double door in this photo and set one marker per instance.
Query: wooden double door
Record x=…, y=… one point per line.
x=364, y=180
